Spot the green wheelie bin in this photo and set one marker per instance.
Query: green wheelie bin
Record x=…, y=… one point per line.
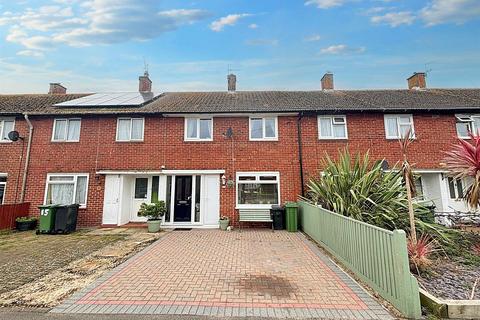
x=291, y=209
x=47, y=218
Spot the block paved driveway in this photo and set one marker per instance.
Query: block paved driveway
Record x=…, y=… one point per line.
x=217, y=273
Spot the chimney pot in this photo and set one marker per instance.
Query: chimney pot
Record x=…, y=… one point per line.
x=144, y=83
x=417, y=81
x=327, y=81
x=57, y=88
x=232, y=82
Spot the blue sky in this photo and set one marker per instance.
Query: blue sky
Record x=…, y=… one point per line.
x=101, y=45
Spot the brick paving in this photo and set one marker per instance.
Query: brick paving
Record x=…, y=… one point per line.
x=255, y=273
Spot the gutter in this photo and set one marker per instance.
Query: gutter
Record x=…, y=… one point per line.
x=300, y=154
x=27, y=158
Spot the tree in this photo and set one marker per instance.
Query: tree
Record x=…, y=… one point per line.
x=409, y=179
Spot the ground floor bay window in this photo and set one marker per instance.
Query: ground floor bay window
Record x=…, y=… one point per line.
x=258, y=190
x=67, y=189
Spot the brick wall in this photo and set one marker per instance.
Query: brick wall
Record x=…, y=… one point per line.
x=164, y=145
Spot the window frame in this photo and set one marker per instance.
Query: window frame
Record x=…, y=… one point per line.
x=197, y=139
x=66, y=129
x=131, y=125
x=263, y=117
x=75, y=177
x=257, y=175
x=4, y=183
x=331, y=118
x=455, y=184
x=471, y=123
x=2, y=128
x=397, y=117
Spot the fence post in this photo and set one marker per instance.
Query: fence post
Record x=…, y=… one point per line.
x=407, y=285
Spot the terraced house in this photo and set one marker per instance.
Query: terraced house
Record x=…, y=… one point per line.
x=208, y=154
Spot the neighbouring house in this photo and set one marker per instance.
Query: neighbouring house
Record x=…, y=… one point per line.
x=209, y=154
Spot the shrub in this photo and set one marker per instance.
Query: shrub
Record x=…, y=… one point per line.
x=419, y=252
x=153, y=211
x=364, y=191
x=26, y=219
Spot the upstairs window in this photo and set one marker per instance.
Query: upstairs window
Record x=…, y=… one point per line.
x=130, y=129
x=467, y=123
x=263, y=128
x=198, y=129
x=455, y=188
x=67, y=130
x=397, y=126
x=6, y=125
x=67, y=189
x=332, y=127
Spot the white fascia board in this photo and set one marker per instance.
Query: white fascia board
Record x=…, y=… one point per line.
x=225, y=115
x=171, y=172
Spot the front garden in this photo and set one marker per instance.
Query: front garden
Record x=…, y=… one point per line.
x=445, y=260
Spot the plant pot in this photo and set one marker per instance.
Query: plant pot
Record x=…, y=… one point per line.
x=25, y=225
x=224, y=224
x=153, y=225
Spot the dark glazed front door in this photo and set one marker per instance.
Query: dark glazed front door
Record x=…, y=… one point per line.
x=183, y=199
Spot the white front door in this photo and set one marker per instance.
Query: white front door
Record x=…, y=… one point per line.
x=111, y=204
x=141, y=192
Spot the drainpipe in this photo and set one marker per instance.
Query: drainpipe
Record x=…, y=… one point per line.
x=300, y=154
x=27, y=157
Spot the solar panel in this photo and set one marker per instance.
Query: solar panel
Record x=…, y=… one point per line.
x=111, y=99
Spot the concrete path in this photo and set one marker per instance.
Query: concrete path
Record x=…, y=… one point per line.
x=255, y=273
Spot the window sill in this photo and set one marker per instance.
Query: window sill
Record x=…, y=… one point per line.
x=65, y=141
x=256, y=207
x=129, y=141
x=197, y=140
x=265, y=140
x=395, y=138
x=336, y=139
x=5, y=141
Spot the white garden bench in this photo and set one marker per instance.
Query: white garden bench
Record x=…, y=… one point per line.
x=255, y=215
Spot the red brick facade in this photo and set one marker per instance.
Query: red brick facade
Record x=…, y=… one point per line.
x=164, y=145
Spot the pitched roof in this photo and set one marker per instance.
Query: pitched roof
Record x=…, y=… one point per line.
x=261, y=101
x=32, y=103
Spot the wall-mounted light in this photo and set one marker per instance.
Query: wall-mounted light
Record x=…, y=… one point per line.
x=224, y=181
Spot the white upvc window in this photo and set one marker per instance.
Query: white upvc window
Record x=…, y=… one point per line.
x=455, y=188
x=3, y=186
x=397, y=126
x=258, y=190
x=263, y=128
x=130, y=129
x=67, y=189
x=467, y=123
x=6, y=125
x=199, y=129
x=332, y=127
x=66, y=130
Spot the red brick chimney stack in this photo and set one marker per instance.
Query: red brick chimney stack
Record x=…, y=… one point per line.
x=327, y=81
x=144, y=83
x=57, y=88
x=417, y=81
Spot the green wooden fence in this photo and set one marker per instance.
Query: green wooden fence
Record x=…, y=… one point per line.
x=377, y=256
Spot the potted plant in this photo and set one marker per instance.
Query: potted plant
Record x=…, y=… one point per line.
x=25, y=223
x=154, y=212
x=224, y=222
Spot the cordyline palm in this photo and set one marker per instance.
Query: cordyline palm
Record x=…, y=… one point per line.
x=409, y=179
x=464, y=161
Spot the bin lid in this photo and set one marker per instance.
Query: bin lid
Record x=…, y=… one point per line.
x=291, y=205
x=277, y=207
x=48, y=206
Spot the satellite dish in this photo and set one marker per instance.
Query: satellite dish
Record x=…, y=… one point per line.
x=14, y=136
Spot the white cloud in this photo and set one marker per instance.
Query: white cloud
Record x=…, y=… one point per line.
x=88, y=22
x=30, y=53
x=394, y=19
x=312, y=38
x=253, y=26
x=450, y=11
x=341, y=49
x=262, y=42
x=229, y=20
x=325, y=4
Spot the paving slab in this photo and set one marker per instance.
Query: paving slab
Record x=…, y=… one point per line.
x=218, y=273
